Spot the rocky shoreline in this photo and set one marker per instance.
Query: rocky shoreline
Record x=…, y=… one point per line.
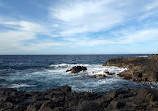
x=139, y=68
x=64, y=99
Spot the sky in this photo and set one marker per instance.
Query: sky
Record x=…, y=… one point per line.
x=78, y=27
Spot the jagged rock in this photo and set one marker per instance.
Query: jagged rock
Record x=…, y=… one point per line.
x=99, y=76
x=109, y=73
x=117, y=104
x=126, y=75
x=35, y=106
x=89, y=106
x=64, y=99
x=139, y=68
x=77, y=69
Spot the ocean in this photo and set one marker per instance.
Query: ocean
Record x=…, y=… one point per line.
x=40, y=72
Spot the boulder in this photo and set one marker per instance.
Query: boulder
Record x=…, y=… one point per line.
x=99, y=76
x=77, y=69
x=89, y=106
x=117, y=104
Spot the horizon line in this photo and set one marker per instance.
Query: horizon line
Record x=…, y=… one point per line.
x=78, y=54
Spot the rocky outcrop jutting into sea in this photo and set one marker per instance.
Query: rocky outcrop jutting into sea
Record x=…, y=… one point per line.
x=139, y=68
x=63, y=99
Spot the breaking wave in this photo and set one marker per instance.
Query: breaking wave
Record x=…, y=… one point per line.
x=92, y=69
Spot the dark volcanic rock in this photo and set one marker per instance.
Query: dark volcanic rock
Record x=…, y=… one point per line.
x=89, y=106
x=63, y=99
x=109, y=73
x=77, y=69
x=99, y=76
x=139, y=68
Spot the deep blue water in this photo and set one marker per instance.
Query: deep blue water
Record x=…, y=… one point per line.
x=21, y=62
x=39, y=72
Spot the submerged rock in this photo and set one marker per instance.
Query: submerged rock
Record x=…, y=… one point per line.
x=64, y=99
x=77, y=69
x=139, y=68
x=99, y=76
x=109, y=73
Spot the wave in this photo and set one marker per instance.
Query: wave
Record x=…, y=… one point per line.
x=51, y=78
x=57, y=66
x=92, y=69
x=21, y=85
x=63, y=65
x=142, y=56
x=2, y=71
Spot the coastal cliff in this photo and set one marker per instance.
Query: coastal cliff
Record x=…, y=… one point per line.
x=139, y=68
x=64, y=99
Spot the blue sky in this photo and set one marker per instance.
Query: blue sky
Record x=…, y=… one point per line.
x=78, y=26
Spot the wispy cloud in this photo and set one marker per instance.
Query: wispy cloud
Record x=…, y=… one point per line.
x=152, y=5
x=140, y=36
x=18, y=41
x=25, y=26
x=126, y=37
x=12, y=40
x=80, y=16
x=87, y=16
x=81, y=23
x=22, y=37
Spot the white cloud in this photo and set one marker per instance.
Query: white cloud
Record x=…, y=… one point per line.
x=95, y=42
x=81, y=16
x=127, y=37
x=152, y=5
x=86, y=41
x=16, y=35
x=16, y=42
x=25, y=26
x=31, y=27
x=12, y=40
x=39, y=46
x=19, y=34
x=74, y=21
x=87, y=16
x=150, y=10
x=140, y=36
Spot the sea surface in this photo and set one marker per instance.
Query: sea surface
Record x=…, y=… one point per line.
x=39, y=72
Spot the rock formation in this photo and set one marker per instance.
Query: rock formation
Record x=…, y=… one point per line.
x=139, y=68
x=63, y=99
x=77, y=69
x=99, y=76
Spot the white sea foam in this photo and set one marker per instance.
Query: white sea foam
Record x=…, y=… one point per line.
x=102, y=70
x=49, y=78
x=64, y=65
x=92, y=69
x=142, y=56
x=56, y=66
x=58, y=73
x=21, y=85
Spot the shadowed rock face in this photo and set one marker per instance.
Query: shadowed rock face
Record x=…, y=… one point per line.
x=140, y=68
x=77, y=69
x=63, y=99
